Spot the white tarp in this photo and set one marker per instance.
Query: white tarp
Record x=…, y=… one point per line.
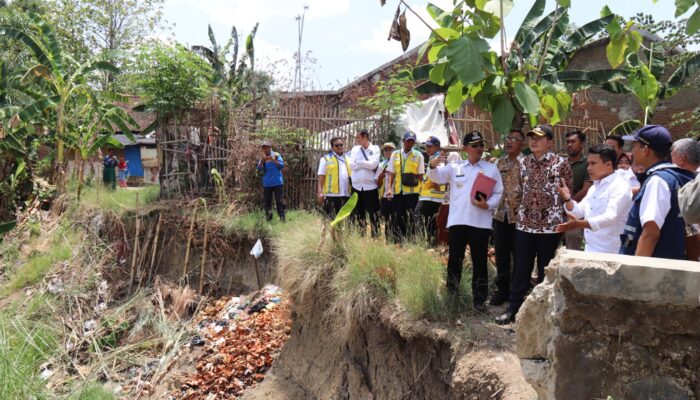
x=424, y=118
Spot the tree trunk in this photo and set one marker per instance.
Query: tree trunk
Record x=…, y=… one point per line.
x=60, y=170
x=81, y=176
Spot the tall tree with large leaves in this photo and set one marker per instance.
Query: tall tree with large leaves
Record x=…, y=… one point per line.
x=645, y=62
x=56, y=82
x=235, y=80
x=525, y=81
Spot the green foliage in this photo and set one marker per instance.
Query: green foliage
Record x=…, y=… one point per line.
x=391, y=95
x=170, y=79
x=345, y=212
x=522, y=82
x=253, y=225
x=36, y=268
x=646, y=62
x=119, y=200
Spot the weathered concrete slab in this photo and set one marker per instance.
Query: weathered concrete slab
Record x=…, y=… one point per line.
x=610, y=325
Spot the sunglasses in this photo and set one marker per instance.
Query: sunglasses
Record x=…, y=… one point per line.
x=338, y=145
x=513, y=139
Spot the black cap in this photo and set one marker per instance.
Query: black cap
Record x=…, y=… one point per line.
x=472, y=137
x=433, y=141
x=655, y=136
x=541, y=130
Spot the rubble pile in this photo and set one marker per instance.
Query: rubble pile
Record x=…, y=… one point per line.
x=241, y=337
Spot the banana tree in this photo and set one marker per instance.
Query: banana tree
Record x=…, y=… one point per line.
x=92, y=129
x=57, y=80
x=644, y=64
x=233, y=78
x=525, y=81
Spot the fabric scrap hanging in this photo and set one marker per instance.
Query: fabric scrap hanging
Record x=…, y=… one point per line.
x=399, y=30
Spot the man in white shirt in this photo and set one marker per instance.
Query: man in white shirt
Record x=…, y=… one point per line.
x=685, y=153
x=602, y=213
x=406, y=168
x=364, y=160
x=333, y=187
x=469, y=219
x=654, y=226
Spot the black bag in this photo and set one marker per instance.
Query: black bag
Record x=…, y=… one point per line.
x=410, y=180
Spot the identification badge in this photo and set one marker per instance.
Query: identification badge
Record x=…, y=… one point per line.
x=460, y=185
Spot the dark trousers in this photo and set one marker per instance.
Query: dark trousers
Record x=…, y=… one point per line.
x=367, y=203
x=504, y=242
x=543, y=246
x=478, y=241
x=332, y=205
x=428, y=211
x=404, y=222
x=388, y=216
x=278, y=192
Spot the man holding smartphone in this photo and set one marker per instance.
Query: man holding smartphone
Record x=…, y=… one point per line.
x=271, y=164
x=469, y=218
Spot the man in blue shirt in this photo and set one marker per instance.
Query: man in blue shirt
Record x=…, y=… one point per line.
x=271, y=165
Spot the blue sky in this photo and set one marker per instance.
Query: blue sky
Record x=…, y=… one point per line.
x=347, y=38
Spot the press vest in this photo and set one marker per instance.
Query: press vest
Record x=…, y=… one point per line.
x=332, y=183
x=428, y=192
x=406, y=166
x=671, y=242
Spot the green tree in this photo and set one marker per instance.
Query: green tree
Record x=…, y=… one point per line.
x=56, y=82
x=645, y=63
x=390, y=97
x=528, y=80
x=170, y=79
x=115, y=27
x=235, y=80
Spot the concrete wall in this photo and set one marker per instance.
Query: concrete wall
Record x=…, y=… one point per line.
x=609, y=325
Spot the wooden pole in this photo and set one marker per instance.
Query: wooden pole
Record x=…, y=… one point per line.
x=257, y=272
x=154, y=251
x=204, y=255
x=136, y=245
x=189, y=240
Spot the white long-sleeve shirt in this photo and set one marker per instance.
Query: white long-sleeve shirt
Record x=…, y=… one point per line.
x=605, y=207
x=363, y=170
x=461, y=175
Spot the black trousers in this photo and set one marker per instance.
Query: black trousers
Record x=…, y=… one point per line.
x=404, y=216
x=428, y=211
x=504, y=242
x=387, y=209
x=367, y=204
x=478, y=241
x=529, y=246
x=332, y=205
x=278, y=192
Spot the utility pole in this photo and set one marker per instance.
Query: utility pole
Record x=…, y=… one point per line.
x=300, y=30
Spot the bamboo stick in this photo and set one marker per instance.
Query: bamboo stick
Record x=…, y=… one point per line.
x=189, y=241
x=204, y=254
x=154, y=251
x=136, y=246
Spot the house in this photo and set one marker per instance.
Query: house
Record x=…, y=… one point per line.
x=604, y=109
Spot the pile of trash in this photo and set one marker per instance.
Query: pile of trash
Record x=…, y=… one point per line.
x=241, y=337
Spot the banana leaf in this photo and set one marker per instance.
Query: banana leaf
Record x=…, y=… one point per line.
x=577, y=39
x=689, y=68
x=345, y=211
x=626, y=127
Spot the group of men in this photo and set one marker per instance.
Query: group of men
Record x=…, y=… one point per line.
x=526, y=203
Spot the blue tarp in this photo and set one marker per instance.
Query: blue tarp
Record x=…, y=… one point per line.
x=132, y=154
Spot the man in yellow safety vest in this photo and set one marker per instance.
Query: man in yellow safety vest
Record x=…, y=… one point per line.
x=431, y=195
x=333, y=187
x=406, y=168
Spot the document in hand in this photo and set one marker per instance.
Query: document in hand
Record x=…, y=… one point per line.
x=483, y=184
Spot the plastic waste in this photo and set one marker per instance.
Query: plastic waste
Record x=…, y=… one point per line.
x=257, y=250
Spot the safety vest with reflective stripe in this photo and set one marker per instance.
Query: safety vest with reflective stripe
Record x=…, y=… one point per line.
x=428, y=192
x=406, y=166
x=332, y=183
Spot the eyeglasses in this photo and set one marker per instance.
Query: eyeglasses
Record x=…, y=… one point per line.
x=513, y=139
x=338, y=145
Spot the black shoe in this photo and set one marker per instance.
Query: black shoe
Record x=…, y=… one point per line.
x=497, y=299
x=480, y=307
x=505, y=318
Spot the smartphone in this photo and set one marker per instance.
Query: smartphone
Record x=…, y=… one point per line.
x=480, y=196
